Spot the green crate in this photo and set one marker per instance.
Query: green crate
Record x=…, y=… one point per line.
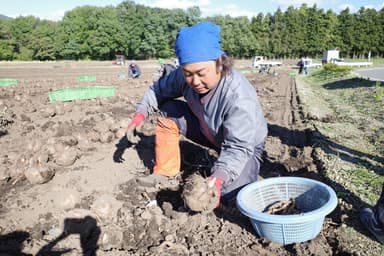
x=81, y=93
x=246, y=71
x=8, y=82
x=86, y=78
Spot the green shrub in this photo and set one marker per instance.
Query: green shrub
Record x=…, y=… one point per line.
x=330, y=67
x=25, y=54
x=331, y=71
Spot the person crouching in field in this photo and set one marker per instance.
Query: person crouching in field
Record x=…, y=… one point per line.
x=221, y=110
x=134, y=70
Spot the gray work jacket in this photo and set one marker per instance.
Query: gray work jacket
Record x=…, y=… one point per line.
x=230, y=117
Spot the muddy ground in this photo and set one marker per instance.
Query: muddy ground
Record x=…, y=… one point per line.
x=85, y=194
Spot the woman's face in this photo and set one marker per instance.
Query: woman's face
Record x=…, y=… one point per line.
x=202, y=76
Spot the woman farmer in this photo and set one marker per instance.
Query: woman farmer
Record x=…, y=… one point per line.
x=221, y=110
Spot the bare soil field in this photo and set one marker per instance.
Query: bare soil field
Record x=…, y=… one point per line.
x=71, y=184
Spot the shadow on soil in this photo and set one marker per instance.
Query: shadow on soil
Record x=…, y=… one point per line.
x=145, y=149
x=12, y=243
x=349, y=84
x=307, y=137
x=348, y=154
x=86, y=228
x=3, y=133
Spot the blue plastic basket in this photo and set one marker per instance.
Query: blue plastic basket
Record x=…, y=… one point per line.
x=313, y=198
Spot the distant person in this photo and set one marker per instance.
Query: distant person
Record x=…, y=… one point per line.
x=134, y=70
x=301, y=65
x=373, y=218
x=264, y=69
x=306, y=70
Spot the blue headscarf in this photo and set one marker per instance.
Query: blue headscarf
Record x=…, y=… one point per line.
x=198, y=43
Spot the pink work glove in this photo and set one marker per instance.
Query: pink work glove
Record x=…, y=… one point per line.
x=136, y=121
x=217, y=183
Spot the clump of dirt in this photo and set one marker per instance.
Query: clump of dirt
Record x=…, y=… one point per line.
x=7, y=116
x=199, y=194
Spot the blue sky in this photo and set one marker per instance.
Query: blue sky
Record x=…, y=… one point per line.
x=55, y=9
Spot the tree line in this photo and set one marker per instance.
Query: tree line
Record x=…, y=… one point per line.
x=141, y=32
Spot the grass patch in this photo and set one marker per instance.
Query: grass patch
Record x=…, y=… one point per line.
x=377, y=140
x=378, y=93
x=367, y=183
x=356, y=136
